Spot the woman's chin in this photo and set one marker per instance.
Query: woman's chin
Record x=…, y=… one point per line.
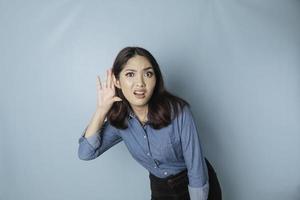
x=139, y=103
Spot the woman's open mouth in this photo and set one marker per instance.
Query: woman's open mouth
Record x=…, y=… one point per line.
x=139, y=94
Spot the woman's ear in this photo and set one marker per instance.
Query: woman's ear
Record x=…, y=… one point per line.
x=116, y=82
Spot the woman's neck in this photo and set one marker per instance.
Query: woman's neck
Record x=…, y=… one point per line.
x=141, y=113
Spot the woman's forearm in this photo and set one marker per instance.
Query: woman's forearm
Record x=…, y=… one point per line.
x=96, y=122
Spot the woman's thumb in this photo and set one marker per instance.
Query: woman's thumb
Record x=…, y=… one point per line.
x=115, y=98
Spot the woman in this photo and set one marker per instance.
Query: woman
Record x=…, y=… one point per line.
x=157, y=127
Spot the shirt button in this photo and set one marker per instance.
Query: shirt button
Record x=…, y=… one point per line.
x=148, y=154
x=155, y=167
x=165, y=173
x=145, y=136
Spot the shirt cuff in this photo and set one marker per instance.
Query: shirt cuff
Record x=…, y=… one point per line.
x=199, y=193
x=93, y=140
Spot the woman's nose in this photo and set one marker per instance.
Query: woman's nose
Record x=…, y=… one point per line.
x=140, y=81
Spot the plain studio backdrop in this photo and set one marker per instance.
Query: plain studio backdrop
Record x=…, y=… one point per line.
x=236, y=61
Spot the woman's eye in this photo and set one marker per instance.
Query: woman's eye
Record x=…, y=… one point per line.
x=130, y=74
x=149, y=74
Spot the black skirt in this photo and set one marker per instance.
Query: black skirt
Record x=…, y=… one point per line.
x=175, y=187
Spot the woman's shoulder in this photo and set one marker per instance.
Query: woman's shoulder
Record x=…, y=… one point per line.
x=179, y=111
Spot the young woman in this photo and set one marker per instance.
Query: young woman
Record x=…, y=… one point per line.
x=157, y=127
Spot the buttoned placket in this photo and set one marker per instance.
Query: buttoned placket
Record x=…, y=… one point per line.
x=156, y=162
x=145, y=136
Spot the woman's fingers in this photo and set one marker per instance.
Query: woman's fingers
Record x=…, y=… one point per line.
x=108, y=80
x=111, y=79
x=108, y=83
x=99, y=85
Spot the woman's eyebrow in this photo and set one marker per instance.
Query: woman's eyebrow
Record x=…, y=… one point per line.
x=135, y=70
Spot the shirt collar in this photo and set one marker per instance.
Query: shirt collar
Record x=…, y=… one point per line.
x=131, y=114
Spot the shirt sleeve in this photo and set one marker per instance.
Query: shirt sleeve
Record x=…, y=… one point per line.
x=193, y=156
x=95, y=145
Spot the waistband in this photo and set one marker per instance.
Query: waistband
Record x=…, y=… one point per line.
x=170, y=179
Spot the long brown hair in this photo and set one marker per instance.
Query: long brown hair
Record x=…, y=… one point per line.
x=161, y=104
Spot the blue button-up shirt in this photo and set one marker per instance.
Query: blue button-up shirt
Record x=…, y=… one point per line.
x=162, y=152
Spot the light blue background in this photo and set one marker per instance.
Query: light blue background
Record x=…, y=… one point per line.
x=236, y=62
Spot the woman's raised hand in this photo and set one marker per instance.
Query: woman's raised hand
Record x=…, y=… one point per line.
x=106, y=92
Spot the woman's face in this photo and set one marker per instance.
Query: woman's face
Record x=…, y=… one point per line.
x=137, y=81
